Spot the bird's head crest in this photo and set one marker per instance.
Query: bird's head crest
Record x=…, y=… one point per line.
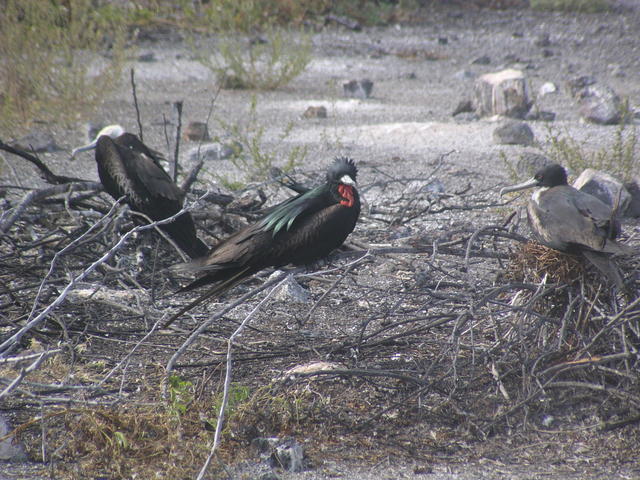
x=342, y=166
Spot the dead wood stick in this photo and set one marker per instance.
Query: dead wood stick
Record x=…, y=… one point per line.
x=36, y=195
x=45, y=172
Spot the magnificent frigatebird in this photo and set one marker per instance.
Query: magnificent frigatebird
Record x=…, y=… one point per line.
x=127, y=167
x=572, y=221
x=299, y=231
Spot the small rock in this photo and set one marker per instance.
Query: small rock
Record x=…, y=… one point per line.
x=288, y=455
x=529, y=163
x=315, y=112
x=599, y=104
x=291, y=291
x=443, y=40
x=147, y=57
x=633, y=209
x=547, y=88
x=37, y=141
x=603, y=186
x=542, y=40
x=464, y=106
x=502, y=93
x=9, y=450
x=513, y=133
x=250, y=200
x=540, y=115
x=575, y=85
x=482, y=60
x=197, y=132
x=284, y=453
x=358, y=88
x=214, y=151
x=464, y=75
x=466, y=117
x=546, y=53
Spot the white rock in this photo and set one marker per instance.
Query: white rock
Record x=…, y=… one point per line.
x=547, y=88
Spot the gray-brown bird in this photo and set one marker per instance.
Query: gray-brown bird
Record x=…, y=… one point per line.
x=572, y=221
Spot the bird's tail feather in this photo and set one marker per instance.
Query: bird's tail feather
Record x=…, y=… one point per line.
x=216, y=290
x=605, y=264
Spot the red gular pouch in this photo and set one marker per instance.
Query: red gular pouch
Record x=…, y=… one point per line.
x=346, y=192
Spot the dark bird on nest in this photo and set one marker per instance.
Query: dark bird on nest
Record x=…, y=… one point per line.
x=299, y=231
x=127, y=167
x=572, y=221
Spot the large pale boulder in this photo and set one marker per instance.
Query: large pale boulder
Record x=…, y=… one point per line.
x=502, y=93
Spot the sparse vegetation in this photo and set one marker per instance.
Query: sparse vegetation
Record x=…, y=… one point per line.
x=585, y=6
x=254, y=158
x=46, y=53
x=621, y=159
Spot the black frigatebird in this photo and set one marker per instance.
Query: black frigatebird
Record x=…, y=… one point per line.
x=298, y=231
x=572, y=221
x=127, y=167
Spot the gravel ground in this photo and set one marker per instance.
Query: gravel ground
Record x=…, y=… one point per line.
x=404, y=131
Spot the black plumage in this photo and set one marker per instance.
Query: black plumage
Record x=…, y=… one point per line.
x=127, y=167
x=572, y=221
x=299, y=231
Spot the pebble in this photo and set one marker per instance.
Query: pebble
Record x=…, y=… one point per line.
x=10, y=451
x=197, y=132
x=358, y=88
x=315, y=112
x=482, y=60
x=599, y=104
x=547, y=88
x=513, y=133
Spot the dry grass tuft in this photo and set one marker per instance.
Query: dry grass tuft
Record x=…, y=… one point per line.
x=533, y=261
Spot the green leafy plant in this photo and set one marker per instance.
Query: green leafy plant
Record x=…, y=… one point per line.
x=46, y=52
x=253, y=158
x=180, y=395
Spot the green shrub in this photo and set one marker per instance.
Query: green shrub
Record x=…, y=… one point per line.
x=45, y=54
x=621, y=159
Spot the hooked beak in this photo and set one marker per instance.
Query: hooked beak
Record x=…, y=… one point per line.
x=88, y=146
x=347, y=180
x=532, y=182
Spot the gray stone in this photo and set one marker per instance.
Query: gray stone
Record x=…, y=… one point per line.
x=482, y=60
x=466, y=117
x=291, y=291
x=502, y=93
x=530, y=162
x=540, y=115
x=315, y=112
x=37, y=141
x=599, y=104
x=214, y=151
x=285, y=453
x=252, y=199
x=633, y=209
x=358, y=88
x=603, y=186
x=147, y=57
x=513, y=133
x=10, y=451
x=197, y=132
x=465, y=105
x=575, y=85
x=464, y=75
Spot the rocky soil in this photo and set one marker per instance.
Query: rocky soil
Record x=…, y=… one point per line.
x=426, y=177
